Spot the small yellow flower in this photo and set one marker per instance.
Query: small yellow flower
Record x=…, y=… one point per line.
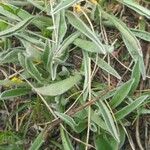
x=78, y=8
x=16, y=80
x=94, y=2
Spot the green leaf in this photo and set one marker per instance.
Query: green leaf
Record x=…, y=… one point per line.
x=67, y=119
x=105, y=66
x=68, y=41
x=102, y=142
x=136, y=7
x=90, y=46
x=86, y=62
x=77, y=23
x=9, y=56
x=37, y=142
x=128, y=36
x=141, y=34
x=121, y=93
x=130, y=108
x=77, y=127
x=59, y=87
x=30, y=39
x=7, y=94
x=144, y=111
x=136, y=76
x=33, y=71
x=47, y=55
x=109, y=121
x=67, y=145
x=16, y=28
x=36, y=4
x=8, y=14
x=61, y=26
x=64, y=4
x=141, y=66
x=98, y=120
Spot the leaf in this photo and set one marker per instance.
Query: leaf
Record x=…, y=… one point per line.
x=144, y=111
x=122, y=136
x=139, y=59
x=37, y=142
x=77, y=127
x=130, y=108
x=9, y=56
x=35, y=3
x=64, y=4
x=77, y=23
x=47, y=55
x=102, y=142
x=8, y=14
x=121, y=93
x=33, y=71
x=31, y=51
x=59, y=87
x=128, y=37
x=67, y=119
x=61, y=26
x=21, y=59
x=136, y=76
x=68, y=41
x=136, y=7
x=98, y=120
x=67, y=145
x=16, y=28
x=8, y=94
x=105, y=66
x=30, y=39
x=108, y=120
x=86, y=64
x=91, y=46
x=141, y=34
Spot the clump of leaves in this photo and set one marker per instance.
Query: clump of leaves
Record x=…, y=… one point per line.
x=62, y=55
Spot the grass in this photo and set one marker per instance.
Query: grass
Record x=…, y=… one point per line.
x=74, y=74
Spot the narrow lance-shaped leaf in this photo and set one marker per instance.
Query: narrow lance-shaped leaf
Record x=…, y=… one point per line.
x=136, y=76
x=136, y=7
x=141, y=66
x=59, y=87
x=86, y=62
x=37, y=142
x=14, y=93
x=8, y=14
x=91, y=46
x=130, y=41
x=141, y=34
x=67, y=145
x=36, y=4
x=109, y=121
x=129, y=37
x=77, y=23
x=16, y=28
x=33, y=71
x=77, y=127
x=61, y=26
x=9, y=55
x=68, y=41
x=121, y=93
x=130, y=108
x=47, y=54
x=102, y=142
x=67, y=119
x=105, y=66
x=64, y=4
